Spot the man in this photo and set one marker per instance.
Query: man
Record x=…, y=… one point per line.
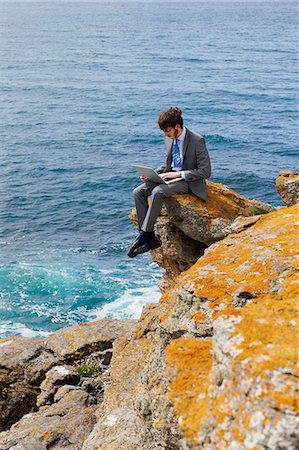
x=186, y=158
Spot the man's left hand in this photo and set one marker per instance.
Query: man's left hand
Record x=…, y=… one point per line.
x=170, y=175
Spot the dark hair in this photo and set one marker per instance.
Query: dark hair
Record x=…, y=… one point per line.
x=170, y=118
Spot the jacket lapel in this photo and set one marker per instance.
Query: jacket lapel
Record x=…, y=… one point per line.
x=169, y=144
x=186, y=142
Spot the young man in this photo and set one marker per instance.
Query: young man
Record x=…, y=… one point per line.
x=186, y=158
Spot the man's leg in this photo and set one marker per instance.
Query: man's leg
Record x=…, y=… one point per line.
x=146, y=240
x=158, y=194
x=141, y=194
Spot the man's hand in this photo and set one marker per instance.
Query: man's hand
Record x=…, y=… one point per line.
x=144, y=179
x=170, y=175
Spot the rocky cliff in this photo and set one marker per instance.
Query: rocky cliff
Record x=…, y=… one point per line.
x=188, y=225
x=211, y=366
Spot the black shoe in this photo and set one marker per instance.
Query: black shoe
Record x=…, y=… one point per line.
x=132, y=253
x=142, y=239
x=151, y=245
x=154, y=243
x=143, y=244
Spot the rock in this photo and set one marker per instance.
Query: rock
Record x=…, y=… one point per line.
x=214, y=364
x=64, y=390
x=69, y=344
x=287, y=185
x=56, y=377
x=177, y=252
x=187, y=225
x=241, y=223
x=24, y=363
x=132, y=408
x=207, y=221
x=65, y=424
x=120, y=429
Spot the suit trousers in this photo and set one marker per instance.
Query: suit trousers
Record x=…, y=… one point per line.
x=147, y=214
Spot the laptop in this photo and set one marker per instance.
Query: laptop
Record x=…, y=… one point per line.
x=152, y=175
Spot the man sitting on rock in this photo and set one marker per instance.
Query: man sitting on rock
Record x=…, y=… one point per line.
x=187, y=159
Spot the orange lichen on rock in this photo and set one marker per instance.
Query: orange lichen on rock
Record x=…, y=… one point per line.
x=248, y=261
x=221, y=202
x=189, y=363
x=213, y=364
x=246, y=374
x=199, y=317
x=273, y=340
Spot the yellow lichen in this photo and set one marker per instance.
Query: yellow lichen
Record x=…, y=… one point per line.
x=221, y=202
x=47, y=436
x=189, y=363
x=199, y=317
x=248, y=280
x=260, y=261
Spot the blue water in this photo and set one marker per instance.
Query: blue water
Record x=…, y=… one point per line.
x=81, y=87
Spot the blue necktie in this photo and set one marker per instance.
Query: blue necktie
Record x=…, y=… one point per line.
x=176, y=157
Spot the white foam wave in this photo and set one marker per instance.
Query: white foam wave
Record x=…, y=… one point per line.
x=128, y=305
x=19, y=329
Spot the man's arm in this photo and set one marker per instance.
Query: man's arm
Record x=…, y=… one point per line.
x=203, y=169
x=161, y=169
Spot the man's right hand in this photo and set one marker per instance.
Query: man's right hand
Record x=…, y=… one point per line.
x=144, y=179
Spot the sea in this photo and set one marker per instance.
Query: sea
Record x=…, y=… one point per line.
x=82, y=85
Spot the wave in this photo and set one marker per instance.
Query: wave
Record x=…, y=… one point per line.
x=10, y=328
x=128, y=306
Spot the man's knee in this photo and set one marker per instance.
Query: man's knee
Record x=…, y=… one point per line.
x=158, y=192
x=139, y=192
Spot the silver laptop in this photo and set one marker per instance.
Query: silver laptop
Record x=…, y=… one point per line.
x=152, y=175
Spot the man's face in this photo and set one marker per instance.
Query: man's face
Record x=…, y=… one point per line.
x=172, y=133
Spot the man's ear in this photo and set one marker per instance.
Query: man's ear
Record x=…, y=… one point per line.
x=178, y=127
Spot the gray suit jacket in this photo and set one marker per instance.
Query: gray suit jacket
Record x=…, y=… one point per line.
x=196, y=162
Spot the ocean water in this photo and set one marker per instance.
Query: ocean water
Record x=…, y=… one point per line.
x=82, y=85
